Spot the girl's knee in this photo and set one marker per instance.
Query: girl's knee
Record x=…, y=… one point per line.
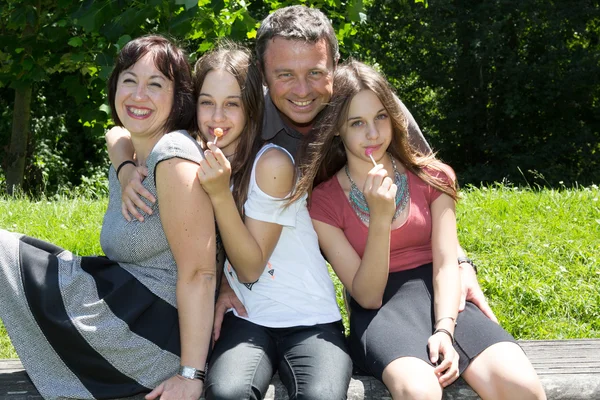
x=230, y=391
x=417, y=390
x=525, y=385
x=411, y=378
x=503, y=371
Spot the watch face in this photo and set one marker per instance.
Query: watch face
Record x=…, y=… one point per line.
x=187, y=372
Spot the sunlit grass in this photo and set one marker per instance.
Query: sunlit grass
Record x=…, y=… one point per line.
x=539, y=257
x=538, y=252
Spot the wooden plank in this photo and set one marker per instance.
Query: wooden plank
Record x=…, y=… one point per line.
x=576, y=356
x=568, y=369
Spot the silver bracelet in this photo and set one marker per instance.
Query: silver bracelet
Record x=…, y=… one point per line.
x=442, y=318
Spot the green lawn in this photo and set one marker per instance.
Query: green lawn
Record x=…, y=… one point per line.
x=538, y=252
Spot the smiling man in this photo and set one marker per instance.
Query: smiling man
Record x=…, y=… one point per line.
x=299, y=77
x=298, y=51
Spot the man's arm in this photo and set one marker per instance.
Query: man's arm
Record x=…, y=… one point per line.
x=471, y=291
x=415, y=136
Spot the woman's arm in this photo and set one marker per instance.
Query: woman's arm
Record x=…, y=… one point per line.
x=365, y=278
x=248, y=243
x=188, y=221
x=119, y=146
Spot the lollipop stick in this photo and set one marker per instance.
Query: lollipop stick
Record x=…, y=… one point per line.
x=369, y=152
x=372, y=159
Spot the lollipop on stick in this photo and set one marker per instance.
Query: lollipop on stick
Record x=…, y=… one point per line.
x=218, y=133
x=369, y=152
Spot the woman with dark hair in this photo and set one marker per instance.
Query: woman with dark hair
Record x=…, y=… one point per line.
x=141, y=317
x=385, y=217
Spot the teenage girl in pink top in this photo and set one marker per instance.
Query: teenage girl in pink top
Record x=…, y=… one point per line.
x=387, y=225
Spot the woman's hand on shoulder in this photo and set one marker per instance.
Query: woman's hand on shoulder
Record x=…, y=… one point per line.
x=177, y=388
x=275, y=173
x=445, y=358
x=215, y=171
x=380, y=193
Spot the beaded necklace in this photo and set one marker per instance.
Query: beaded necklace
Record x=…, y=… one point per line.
x=359, y=203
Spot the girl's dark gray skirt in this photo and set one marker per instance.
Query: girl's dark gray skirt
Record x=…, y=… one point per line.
x=404, y=323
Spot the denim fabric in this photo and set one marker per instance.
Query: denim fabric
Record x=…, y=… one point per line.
x=312, y=361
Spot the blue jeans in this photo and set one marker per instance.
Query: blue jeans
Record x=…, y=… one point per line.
x=312, y=361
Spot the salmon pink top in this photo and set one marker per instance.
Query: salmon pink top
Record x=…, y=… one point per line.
x=410, y=244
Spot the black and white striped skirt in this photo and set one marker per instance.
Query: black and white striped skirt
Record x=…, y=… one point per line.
x=83, y=327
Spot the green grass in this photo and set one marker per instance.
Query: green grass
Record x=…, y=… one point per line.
x=538, y=252
x=70, y=223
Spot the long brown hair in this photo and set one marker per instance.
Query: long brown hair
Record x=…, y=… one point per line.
x=322, y=152
x=237, y=60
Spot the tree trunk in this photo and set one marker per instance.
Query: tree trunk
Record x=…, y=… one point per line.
x=18, y=141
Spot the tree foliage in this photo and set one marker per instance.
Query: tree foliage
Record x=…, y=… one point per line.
x=64, y=51
x=504, y=89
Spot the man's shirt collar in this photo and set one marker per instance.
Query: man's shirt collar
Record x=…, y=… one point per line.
x=273, y=123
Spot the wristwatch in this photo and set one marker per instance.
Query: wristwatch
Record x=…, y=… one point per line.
x=191, y=373
x=468, y=261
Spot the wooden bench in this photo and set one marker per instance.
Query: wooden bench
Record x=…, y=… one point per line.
x=569, y=370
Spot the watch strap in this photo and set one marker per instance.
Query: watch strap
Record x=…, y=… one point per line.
x=468, y=261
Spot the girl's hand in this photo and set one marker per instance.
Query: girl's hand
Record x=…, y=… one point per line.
x=443, y=355
x=177, y=388
x=132, y=191
x=215, y=171
x=380, y=193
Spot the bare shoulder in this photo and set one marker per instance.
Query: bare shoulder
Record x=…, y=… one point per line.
x=176, y=166
x=176, y=175
x=275, y=172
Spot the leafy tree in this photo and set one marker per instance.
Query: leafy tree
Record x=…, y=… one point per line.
x=503, y=89
x=69, y=47
x=56, y=56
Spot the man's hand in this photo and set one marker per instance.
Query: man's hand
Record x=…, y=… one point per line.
x=132, y=191
x=471, y=291
x=226, y=300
